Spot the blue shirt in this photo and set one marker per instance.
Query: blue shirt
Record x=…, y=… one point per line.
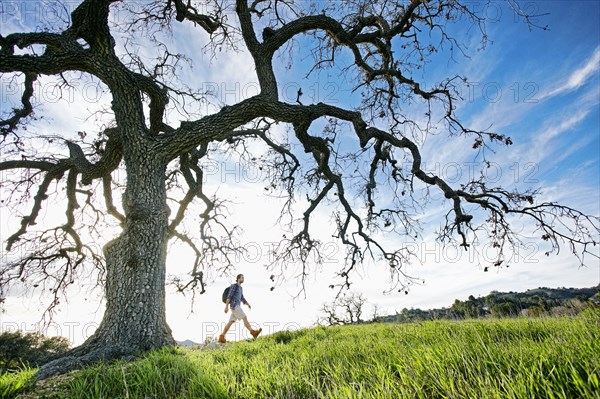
x=236, y=296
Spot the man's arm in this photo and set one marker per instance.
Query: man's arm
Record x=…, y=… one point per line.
x=245, y=302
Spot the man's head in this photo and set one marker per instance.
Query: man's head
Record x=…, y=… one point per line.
x=239, y=279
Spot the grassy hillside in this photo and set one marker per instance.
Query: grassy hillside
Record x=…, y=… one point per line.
x=511, y=358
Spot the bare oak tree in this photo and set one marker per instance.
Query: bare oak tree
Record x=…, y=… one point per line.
x=344, y=309
x=139, y=165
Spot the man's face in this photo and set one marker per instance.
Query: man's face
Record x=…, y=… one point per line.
x=241, y=280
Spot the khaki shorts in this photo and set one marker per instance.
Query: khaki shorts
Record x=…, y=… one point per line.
x=237, y=313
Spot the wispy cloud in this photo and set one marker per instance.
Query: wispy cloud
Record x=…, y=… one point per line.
x=564, y=125
x=506, y=112
x=548, y=141
x=578, y=77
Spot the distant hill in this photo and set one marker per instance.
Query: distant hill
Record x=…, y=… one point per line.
x=536, y=302
x=187, y=342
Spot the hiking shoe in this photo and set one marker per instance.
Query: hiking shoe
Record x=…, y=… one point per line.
x=255, y=332
x=222, y=339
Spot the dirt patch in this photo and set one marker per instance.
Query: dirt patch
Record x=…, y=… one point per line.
x=49, y=388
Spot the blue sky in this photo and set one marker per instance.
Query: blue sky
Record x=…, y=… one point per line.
x=540, y=87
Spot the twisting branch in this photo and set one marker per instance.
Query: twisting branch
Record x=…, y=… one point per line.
x=213, y=250
x=9, y=125
x=55, y=256
x=111, y=209
x=55, y=173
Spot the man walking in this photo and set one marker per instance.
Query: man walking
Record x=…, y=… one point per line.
x=235, y=300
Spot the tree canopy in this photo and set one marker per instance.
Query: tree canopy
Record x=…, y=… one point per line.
x=141, y=168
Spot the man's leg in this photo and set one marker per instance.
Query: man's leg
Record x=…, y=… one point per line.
x=247, y=324
x=254, y=333
x=227, y=327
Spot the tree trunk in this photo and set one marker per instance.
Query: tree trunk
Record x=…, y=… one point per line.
x=135, y=266
x=134, y=319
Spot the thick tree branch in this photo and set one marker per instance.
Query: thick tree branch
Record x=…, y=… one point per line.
x=109, y=161
x=187, y=11
x=263, y=57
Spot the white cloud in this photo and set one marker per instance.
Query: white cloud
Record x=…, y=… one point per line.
x=578, y=77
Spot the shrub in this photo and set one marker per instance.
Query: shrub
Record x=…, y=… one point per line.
x=31, y=349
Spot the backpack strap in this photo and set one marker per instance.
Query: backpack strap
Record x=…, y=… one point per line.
x=232, y=290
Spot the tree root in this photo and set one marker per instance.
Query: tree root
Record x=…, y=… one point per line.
x=82, y=356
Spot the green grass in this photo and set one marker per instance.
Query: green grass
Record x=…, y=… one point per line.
x=13, y=382
x=514, y=358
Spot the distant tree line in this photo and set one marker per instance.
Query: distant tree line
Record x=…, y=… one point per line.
x=532, y=303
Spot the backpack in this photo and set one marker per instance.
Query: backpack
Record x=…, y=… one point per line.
x=226, y=294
